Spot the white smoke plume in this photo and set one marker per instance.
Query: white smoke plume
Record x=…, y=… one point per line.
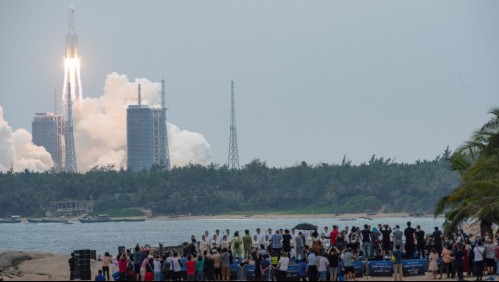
x=18, y=151
x=100, y=127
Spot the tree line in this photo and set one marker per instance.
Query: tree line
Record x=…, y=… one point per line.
x=379, y=184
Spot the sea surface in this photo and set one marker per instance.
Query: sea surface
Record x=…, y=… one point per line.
x=106, y=237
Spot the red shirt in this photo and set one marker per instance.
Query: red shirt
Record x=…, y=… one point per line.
x=122, y=265
x=333, y=235
x=191, y=267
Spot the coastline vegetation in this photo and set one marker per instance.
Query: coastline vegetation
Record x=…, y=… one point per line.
x=377, y=185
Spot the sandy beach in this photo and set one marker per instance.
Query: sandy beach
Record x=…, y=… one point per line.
x=50, y=267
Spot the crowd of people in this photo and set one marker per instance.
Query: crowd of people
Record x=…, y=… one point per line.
x=317, y=253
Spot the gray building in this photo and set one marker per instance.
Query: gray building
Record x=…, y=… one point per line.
x=139, y=131
x=48, y=130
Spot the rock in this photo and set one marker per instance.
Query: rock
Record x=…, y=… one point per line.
x=12, y=259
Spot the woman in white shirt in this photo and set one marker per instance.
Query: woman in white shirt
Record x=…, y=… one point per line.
x=282, y=267
x=225, y=243
x=479, y=251
x=254, y=243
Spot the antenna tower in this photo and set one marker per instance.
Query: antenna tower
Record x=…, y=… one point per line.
x=164, y=151
x=233, y=162
x=70, y=139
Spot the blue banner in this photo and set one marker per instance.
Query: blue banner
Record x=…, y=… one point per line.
x=358, y=266
x=382, y=268
x=415, y=267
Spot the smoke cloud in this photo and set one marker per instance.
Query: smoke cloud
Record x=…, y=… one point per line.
x=100, y=127
x=17, y=150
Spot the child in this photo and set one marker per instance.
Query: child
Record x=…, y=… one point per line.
x=100, y=277
x=302, y=273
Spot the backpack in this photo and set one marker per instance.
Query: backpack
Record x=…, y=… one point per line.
x=166, y=266
x=129, y=265
x=237, y=244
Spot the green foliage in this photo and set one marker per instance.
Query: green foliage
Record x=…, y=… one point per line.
x=214, y=189
x=477, y=195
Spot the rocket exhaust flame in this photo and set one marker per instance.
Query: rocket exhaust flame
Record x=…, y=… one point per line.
x=72, y=64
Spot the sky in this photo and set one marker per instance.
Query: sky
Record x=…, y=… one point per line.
x=314, y=80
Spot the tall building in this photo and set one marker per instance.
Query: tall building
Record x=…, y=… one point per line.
x=146, y=136
x=139, y=131
x=48, y=130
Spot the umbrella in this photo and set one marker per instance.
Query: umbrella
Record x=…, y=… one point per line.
x=305, y=226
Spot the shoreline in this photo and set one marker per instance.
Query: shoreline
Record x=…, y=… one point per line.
x=283, y=216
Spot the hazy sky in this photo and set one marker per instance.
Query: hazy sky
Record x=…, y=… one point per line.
x=315, y=80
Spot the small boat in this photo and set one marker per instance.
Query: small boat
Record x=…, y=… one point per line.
x=96, y=219
x=11, y=219
x=366, y=218
x=47, y=220
x=347, y=219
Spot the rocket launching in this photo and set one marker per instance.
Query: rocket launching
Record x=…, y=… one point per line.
x=72, y=62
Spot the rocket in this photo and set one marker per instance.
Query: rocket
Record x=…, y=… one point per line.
x=71, y=37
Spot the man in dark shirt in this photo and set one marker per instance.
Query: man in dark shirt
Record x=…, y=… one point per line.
x=72, y=267
x=366, y=241
x=386, y=231
x=420, y=241
x=286, y=241
x=458, y=262
x=437, y=236
x=410, y=234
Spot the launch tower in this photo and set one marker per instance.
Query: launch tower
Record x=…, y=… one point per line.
x=72, y=90
x=233, y=162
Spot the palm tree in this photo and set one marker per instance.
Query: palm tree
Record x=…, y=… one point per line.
x=477, y=197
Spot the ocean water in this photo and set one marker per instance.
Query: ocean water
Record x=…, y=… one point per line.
x=65, y=238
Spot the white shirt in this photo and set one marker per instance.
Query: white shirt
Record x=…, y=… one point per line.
x=283, y=263
x=479, y=252
x=157, y=265
x=323, y=264
x=261, y=238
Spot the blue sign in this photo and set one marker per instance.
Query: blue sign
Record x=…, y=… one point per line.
x=382, y=268
x=415, y=267
x=358, y=266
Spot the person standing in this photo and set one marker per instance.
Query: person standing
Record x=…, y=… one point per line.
x=191, y=269
x=386, y=233
x=72, y=267
x=282, y=267
x=366, y=241
x=397, y=238
x=433, y=259
x=226, y=259
x=107, y=260
x=410, y=237
x=437, y=239
x=479, y=252
x=312, y=267
x=122, y=266
x=217, y=264
x=348, y=258
x=247, y=241
x=459, y=262
x=323, y=267
x=200, y=268
x=299, y=255
x=334, y=267
x=490, y=256
x=286, y=242
x=420, y=242
x=332, y=236
x=237, y=246
x=276, y=240
x=265, y=268
x=397, y=264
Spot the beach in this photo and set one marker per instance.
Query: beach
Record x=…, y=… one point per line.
x=51, y=267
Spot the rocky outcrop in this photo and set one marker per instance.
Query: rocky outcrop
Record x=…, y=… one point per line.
x=10, y=259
